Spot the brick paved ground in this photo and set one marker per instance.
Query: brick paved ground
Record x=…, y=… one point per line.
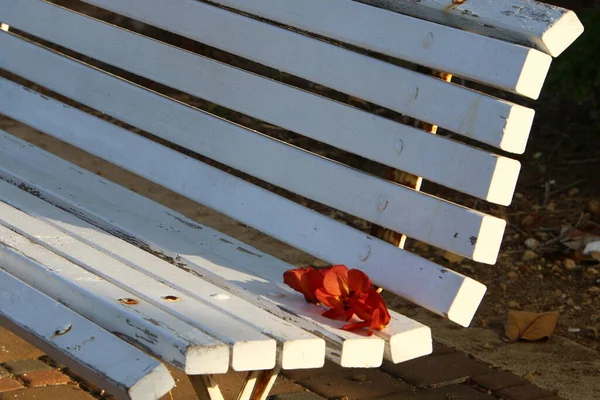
x=26, y=373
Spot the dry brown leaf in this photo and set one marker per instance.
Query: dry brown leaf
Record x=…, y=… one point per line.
x=530, y=325
x=576, y=239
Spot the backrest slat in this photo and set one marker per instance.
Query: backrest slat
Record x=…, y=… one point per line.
x=373, y=137
x=531, y=23
x=440, y=290
x=495, y=122
x=496, y=63
x=427, y=218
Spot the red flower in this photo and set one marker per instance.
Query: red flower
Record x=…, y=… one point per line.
x=306, y=281
x=346, y=292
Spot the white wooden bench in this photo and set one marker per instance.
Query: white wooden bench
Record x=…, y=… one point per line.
x=93, y=258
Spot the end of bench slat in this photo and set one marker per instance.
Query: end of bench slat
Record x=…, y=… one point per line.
x=466, y=302
x=202, y=360
x=504, y=181
x=152, y=385
x=516, y=131
x=406, y=339
x=562, y=34
x=362, y=353
x=255, y=355
x=534, y=72
x=303, y=354
x=492, y=229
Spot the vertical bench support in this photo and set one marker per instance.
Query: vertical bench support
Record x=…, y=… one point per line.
x=257, y=386
x=406, y=179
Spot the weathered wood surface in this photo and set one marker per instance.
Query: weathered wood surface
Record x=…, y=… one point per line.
x=424, y=217
x=172, y=340
x=503, y=65
x=466, y=112
x=531, y=23
x=88, y=350
x=421, y=281
x=232, y=265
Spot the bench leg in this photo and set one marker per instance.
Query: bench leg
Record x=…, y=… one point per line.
x=257, y=386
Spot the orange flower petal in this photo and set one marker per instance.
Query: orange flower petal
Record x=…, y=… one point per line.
x=327, y=299
x=336, y=313
x=336, y=280
x=293, y=277
x=357, y=325
x=359, y=282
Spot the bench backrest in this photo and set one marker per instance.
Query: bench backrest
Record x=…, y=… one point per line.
x=370, y=56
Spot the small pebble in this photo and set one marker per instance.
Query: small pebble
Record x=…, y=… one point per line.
x=531, y=243
x=514, y=304
x=529, y=255
x=569, y=264
x=591, y=273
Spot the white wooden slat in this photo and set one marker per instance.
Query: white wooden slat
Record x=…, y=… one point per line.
x=251, y=350
x=299, y=348
x=425, y=283
x=421, y=216
x=531, y=23
x=406, y=338
x=467, y=112
x=484, y=175
x=173, y=341
x=503, y=65
x=82, y=345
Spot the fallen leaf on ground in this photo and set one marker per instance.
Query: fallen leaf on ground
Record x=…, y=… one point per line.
x=576, y=239
x=593, y=250
x=530, y=325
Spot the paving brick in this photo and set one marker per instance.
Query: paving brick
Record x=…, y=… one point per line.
x=20, y=367
x=437, y=370
x=229, y=384
x=301, y=374
x=65, y=392
x=439, y=348
x=499, y=380
x=13, y=347
x=452, y=392
x=524, y=392
x=355, y=384
x=296, y=396
x=9, y=384
x=45, y=378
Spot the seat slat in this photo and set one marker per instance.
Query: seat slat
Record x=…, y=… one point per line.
x=424, y=217
x=531, y=23
x=406, y=339
x=503, y=65
x=230, y=320
x=82, y=345
x=425, y=283
x=492, y=121
x=173, y=341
